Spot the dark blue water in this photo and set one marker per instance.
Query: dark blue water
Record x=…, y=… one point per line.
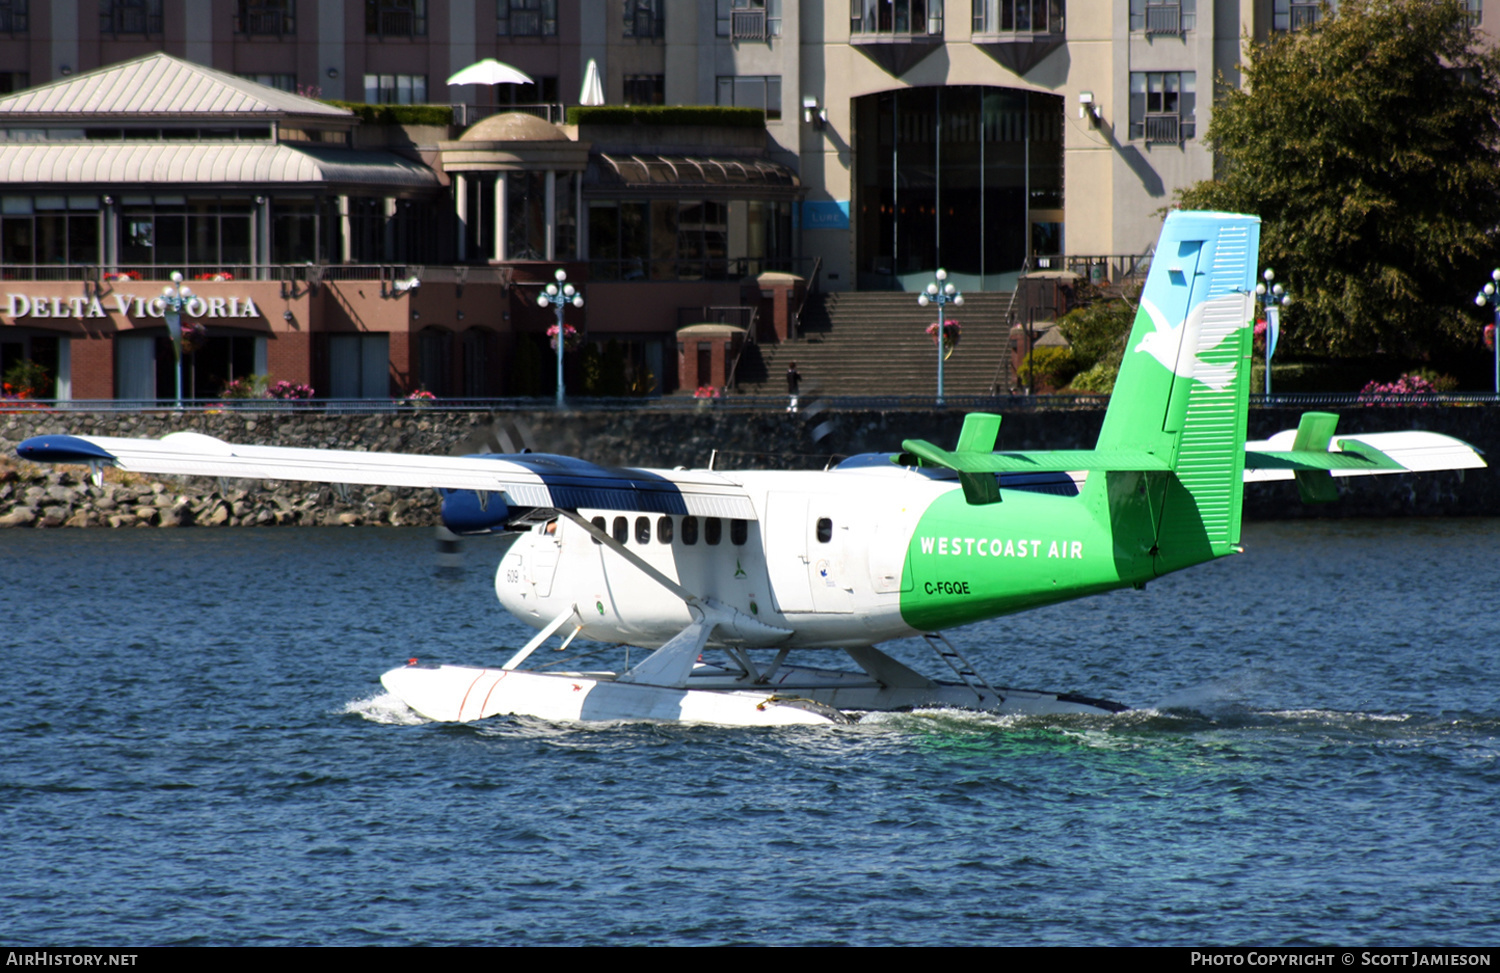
x=196, y=750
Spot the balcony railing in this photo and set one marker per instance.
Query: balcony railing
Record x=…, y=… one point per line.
x=267, y=22
x=747, y=25
x=1163, y=130
x=1164, y=19
x=129, y=21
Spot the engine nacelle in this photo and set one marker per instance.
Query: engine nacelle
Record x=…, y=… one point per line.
x=474, y=512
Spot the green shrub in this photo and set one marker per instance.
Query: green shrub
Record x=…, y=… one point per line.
x=398, y=114
x=1098, y=331
x=1048, y=366
x=1100, y=379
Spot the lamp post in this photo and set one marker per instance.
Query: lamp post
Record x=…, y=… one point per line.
x=1487, y=295
x=1272, y=297
x=174, y=297
x=941, y=293
x=560, y=295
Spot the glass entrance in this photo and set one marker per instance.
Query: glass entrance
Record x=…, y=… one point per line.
x=953, y=177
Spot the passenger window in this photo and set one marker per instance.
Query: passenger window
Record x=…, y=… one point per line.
x=622, y=530
x=599, y=523
x=737, y=531
x=643, y=530
x=664, y=530
x=713, y=528
x=825, y=530
x=690, y=530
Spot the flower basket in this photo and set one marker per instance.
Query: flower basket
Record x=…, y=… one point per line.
x=420, y=399
x=951, y=332
x=570, y=338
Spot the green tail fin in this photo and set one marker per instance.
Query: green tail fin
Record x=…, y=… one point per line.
x=1183, y=394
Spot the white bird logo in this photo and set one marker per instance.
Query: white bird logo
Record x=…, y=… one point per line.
x=1208, y=326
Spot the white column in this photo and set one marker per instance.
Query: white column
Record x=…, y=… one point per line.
x=344, y=247
x=551, y=192
x=461, y=209
x=502, y=189
x=64, y=368
x=390, y=231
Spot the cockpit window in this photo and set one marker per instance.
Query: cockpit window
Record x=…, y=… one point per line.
x=825, y=530
x=643, y=530
x=664, y=530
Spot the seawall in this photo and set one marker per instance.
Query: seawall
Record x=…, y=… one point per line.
x=34, y=496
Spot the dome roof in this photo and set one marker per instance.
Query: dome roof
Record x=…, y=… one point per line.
x=514, y=127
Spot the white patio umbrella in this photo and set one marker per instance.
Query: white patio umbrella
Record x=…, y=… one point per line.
x=490, y=71
x=593, y=88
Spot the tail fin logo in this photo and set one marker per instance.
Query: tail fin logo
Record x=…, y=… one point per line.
x=1180, y=349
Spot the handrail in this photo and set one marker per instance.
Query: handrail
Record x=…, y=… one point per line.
x=952, y=403
x=812, y=285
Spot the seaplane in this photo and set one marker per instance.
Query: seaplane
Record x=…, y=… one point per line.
x=718, y=578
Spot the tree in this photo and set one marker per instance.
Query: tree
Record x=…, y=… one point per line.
x=1368, y=145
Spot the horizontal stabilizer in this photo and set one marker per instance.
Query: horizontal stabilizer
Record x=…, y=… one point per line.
x=1368, y=454
x=1037, y=461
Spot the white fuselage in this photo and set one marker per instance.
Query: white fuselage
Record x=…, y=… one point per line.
x=821, y=565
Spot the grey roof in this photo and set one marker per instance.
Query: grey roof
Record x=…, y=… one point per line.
x=147, y=163
x=159, y=84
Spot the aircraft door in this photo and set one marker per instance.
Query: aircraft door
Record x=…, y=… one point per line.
x=545, y=550
x=827, y=544
x=786, y=551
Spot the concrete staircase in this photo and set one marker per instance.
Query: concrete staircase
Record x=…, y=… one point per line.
x=875, y=343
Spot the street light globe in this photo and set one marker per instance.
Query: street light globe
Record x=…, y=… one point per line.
x=949, y=289
x=1489, y=289
x=170, y=291
x=541, y=300
x=932, y=289
x=578, y=300
x=942, y=274
x=551, y=290
x=1278, y=290
x=958, y=301
x=1260, y=290
x=1269, y=275
x=561, y=275
x=177, y=277
x=568, y=290
x=1495, y=274
x=922, y=299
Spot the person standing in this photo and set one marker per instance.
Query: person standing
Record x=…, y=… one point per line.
x=793, y=382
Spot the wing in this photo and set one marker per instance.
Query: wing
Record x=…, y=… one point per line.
x=523, y=479
x=1366, y=454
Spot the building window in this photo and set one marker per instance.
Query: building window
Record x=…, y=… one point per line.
x=13, y=17
x=14, y=81
x=396, y=89
x=50, y=231
x=645, y=89
x=281, y=82
x=1162, y=107
x=1296, y=14
x=130, y=16
x=541, y=91
x=1020, y=16
x=752, y=91
x=748, y=20
x=643, y=18
x=266, y=17
x=396, y=18
x=526, y=18
x=897, y=17
x=1163, y=16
